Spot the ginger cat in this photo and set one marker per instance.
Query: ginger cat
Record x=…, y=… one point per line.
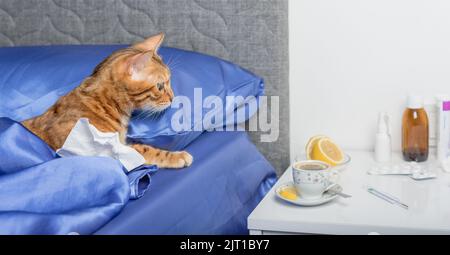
x=131, y=78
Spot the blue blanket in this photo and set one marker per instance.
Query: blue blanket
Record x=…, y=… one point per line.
x=43, y=194
x=215, y=195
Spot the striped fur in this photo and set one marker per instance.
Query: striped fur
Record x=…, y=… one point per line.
x=129, y=79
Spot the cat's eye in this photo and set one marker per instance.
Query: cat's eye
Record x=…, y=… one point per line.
x=160, y=85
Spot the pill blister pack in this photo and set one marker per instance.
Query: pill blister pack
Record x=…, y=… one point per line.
x=445, y=164
x=412, y=169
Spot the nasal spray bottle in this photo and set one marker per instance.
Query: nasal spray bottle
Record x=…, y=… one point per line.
x=383, y=147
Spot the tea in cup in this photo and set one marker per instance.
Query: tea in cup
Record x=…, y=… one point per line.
x=311, y=178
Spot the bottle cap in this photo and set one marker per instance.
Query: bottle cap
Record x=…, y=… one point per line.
x=415, y=102
x=442, y=97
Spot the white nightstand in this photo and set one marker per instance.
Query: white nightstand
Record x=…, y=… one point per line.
x=363, y=213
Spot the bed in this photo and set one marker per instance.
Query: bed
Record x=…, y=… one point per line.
x=232, y=170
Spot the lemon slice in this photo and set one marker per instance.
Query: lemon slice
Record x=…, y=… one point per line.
x=311, y=144
x=327, y=151
x=289, y=193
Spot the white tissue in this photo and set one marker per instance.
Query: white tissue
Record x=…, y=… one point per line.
x=86, y=140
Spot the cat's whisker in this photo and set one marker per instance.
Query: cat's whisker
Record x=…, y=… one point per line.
x=150, y=112
x=173, y=65
x=169, y=61
x=173, y=62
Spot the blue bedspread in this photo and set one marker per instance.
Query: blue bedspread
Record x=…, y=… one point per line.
x=43, y=194
x=215, y=195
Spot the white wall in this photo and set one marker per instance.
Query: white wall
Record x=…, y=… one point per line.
x=350, y=59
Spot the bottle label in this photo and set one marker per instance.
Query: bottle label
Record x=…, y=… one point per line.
x=446, y=106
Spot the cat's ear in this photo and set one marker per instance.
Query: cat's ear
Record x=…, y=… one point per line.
x=150, y=44
x=138, y=63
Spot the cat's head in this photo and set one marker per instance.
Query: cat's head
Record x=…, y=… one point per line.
x=140, y=72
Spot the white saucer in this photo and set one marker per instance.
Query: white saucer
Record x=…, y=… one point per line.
x=326, y=197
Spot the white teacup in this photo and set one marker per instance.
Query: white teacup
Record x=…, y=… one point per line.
x=311, y=178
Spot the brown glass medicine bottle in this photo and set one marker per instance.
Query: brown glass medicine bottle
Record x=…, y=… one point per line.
x=415, y=131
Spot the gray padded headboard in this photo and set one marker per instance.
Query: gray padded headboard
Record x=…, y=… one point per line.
x=251, y=33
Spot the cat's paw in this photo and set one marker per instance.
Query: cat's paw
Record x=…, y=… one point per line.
x=181, y=159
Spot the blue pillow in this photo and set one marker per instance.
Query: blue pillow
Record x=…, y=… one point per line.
x=33, y=78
